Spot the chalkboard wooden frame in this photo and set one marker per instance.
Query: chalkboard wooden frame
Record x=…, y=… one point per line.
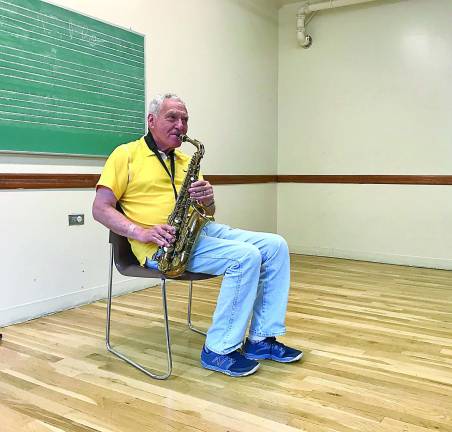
x=70, y=84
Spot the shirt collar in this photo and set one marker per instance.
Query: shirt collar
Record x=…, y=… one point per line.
x=151, y=145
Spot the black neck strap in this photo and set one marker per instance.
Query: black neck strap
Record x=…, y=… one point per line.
x=153, y=147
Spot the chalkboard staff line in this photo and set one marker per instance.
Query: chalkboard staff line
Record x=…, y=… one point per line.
x=41, y=25
x=62, y=36
x=72, y=102
x=138, y=79
x=97, y=83
x=109, y=124
x=48, y=68
x=97, y=53
x=70, y=22
x=72, y=88
x=109, y=130
x=61, y=108
x=107, y=92
x=58, y=70
x=60, y=111
x=137, y=90
x=70, y=113
x=83, y=87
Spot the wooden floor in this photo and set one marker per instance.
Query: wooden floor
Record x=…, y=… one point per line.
x=378, y=357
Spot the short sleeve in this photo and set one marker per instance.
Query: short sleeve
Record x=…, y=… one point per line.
x=116, y=171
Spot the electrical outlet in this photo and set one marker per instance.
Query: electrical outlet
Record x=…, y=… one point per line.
x=76, y=219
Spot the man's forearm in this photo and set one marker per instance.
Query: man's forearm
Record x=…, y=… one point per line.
x=117, y=222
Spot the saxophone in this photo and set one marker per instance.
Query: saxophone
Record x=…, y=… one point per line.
x=188, y=218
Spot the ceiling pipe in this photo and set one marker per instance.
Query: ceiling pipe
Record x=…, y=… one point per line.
x=304, y=39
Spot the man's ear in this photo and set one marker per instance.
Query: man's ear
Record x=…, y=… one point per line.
x=151, y=121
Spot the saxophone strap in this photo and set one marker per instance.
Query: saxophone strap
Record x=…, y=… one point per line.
x=153, y=147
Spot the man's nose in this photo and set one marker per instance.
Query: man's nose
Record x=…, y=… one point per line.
x=181, y=127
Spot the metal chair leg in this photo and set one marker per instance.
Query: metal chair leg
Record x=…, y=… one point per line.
x=167, y=332
x=190, y=296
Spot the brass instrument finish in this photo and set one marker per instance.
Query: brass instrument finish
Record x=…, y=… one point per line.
x=188, y=218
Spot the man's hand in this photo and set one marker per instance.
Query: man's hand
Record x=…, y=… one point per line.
x=161, y=235
x=104, y=211
x=202, y=192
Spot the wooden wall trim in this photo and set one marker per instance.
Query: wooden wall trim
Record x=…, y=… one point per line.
x=82, y=181
x=47, y=181
x=240, y=179
x=88, y=181
x=369, y=179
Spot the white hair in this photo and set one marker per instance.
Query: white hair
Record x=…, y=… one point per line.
x=156, y=103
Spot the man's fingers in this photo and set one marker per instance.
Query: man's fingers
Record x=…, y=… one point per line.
x=167, y=238
x=198, y=183
x=161, y=235
x=169, y=228
x=166, y=233
x=201, y=193
x=199, y=188
x=161, y=241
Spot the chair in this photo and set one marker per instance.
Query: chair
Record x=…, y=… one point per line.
x=126, y=263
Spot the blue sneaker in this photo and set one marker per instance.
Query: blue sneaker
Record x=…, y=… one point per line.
x=269, y=348
x=232, y=364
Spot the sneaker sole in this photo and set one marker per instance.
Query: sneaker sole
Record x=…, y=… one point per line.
x=271, y=357
x=228, y=372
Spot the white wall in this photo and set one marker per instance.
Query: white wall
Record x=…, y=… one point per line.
x=371, y=96
x=219, y=56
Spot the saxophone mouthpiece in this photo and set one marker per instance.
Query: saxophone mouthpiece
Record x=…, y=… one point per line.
x=183, y=137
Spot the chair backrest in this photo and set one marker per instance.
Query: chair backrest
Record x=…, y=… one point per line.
x=122, y=252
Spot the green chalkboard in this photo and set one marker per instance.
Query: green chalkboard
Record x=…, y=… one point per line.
x=69, y=84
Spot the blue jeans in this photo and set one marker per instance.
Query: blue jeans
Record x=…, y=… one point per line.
x=256, y=279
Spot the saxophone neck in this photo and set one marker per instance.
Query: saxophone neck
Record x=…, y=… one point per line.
x=198, y=144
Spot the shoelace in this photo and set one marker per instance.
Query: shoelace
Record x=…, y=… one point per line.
x=274, y=345
x=230, y=358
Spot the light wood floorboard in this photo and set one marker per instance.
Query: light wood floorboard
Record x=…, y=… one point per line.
x=378, y=357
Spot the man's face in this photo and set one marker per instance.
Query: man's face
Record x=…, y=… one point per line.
x=169, y=124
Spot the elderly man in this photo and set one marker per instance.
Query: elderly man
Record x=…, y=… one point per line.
x=144, y=177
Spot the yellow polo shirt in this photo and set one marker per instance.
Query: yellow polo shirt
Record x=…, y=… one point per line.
x=143, y=187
